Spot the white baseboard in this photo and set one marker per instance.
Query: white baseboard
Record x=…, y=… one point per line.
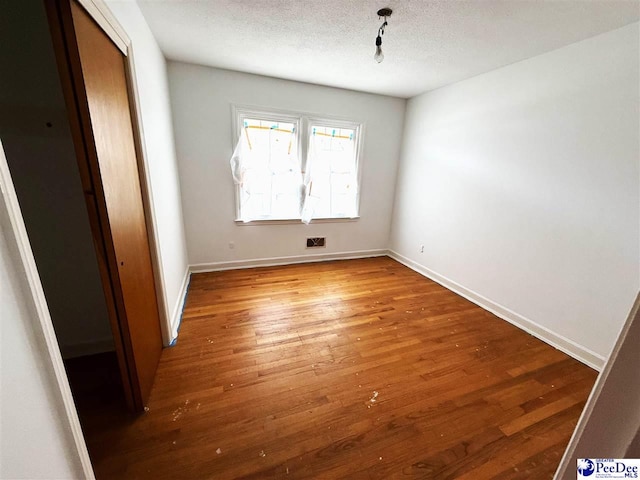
x=560, y=342
x=273, y=261
x=176, y=316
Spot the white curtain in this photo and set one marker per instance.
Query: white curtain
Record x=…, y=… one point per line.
x=267, y=175
x=239, y=165
x=266, y=168
x=311, y=198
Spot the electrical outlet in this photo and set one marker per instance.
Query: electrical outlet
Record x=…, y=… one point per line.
x=232, y=245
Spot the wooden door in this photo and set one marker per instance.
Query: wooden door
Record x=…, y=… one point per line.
x=94, y=76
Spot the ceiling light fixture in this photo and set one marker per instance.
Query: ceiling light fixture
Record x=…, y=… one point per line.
x=383, y=12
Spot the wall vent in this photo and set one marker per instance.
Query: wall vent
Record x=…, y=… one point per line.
x=315, y=242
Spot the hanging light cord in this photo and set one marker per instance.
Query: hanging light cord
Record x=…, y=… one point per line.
x=382, y=13
x=381, y=29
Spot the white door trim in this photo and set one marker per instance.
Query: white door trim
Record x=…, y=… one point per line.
x=36, y=293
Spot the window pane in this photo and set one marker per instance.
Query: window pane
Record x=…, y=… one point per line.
x=334, y=171
x=273, y=177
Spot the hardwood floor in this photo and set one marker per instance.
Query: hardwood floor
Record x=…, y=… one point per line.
x=358, y=369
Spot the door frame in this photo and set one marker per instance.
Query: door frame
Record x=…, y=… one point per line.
x=63, y=38
x=100, y=13
x=43, y=326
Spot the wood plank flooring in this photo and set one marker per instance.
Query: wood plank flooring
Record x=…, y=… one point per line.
x=358, y=369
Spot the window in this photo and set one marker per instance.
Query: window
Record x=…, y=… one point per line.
x=272, y=176
x=331, y=162
x=283, y=175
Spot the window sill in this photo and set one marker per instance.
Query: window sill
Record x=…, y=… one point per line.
x=296, y=221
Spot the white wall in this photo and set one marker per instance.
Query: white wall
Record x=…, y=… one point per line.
x=35, y=436
x=523, y=186
x=611, y=417
x=43, y=164
x=201, y=99
x=153, y=90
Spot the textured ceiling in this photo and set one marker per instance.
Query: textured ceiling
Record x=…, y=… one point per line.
x=427, y=44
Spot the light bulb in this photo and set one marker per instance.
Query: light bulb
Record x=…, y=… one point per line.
x=379, y=56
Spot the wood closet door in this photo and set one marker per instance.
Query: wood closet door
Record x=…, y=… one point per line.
x=98, y=69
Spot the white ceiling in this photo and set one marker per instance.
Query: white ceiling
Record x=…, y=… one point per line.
x=427, y=44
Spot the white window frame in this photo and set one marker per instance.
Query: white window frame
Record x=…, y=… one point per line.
x=337, y=123
x=303, y=123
